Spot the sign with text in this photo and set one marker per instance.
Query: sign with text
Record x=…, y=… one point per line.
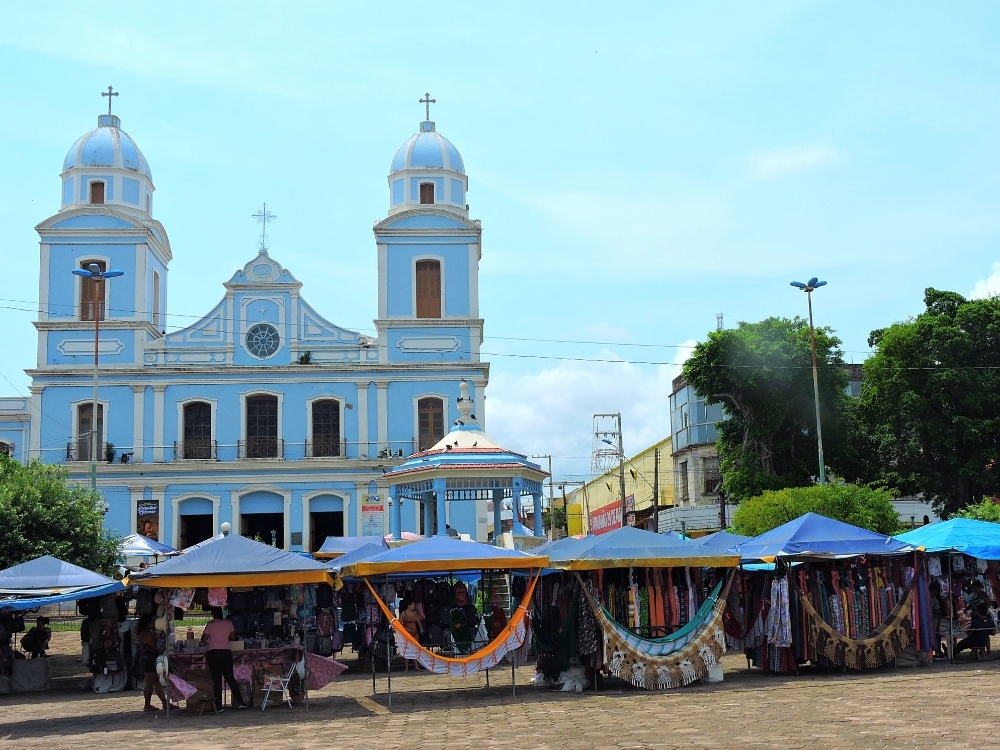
x=372, y=515
x=605, y=519
x=147, y=518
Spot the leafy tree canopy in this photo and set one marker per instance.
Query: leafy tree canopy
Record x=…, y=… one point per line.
x=761, y=374
x=929, y=409
x=866, y=507
x=987, y=510
x=40, y=514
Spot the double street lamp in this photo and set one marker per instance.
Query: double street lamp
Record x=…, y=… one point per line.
x=809, y=287
x=97, y=277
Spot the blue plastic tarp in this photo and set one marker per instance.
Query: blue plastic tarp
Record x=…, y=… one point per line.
x=136, y=545
x=813, y=536
x=975, y=538
x=721, y=541
x=87, y=592
x=334, y=546
x=358, y=553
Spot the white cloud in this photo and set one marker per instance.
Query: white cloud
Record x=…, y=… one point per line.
x=551, y=411
x=988, y=287
x=778, y=162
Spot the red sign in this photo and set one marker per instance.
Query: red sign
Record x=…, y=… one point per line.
x=606, y=519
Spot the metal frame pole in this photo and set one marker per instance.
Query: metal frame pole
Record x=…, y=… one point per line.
x=819, y=426
x=94, y=405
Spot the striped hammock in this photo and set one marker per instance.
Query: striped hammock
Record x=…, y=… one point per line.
x=661, y=663
x=511, y=638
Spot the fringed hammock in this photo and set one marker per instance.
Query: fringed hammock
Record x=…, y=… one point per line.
x=511, y=638
x=881, y=647
x=660, y=663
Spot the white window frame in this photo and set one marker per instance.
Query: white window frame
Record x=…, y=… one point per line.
x=307, y=499
x=81, y=280
x=416, y=416
x=214, y=403
x=413, y=285
x=175, y=513
x=105, y=407
x=309, y=416
x=244, y=395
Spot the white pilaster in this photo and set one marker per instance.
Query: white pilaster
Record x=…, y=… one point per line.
x=138, y=412
x=158, y=391
x=36, y=422
x=382, y=392
x=362, y=408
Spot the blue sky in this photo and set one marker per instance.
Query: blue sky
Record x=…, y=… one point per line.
x=638, y=168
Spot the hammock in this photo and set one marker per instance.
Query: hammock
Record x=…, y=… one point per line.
x=879, y=648
x=509, y=640
x=678, y=659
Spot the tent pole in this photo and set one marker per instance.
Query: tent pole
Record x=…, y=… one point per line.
x=951, y=616
x=513, y=677
x=388, y=654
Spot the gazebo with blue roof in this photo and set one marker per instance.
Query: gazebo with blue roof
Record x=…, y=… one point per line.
x=465, y=466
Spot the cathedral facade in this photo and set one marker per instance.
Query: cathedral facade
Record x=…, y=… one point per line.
x=263, y=413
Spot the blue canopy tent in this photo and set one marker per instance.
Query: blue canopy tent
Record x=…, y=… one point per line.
x=816, y=537
x=721, y=541
x=443, y=555
x=629, y=546
x=358, y=553
x=232, y=561
x=48, y=580
x=136, y=545
x=335, y=546
x=979, y=539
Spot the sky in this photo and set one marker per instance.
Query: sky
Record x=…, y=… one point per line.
x=637, y=168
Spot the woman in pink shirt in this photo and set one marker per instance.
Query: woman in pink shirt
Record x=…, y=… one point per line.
x=218, y=633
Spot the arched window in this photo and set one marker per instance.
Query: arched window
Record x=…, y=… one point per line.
x=262, y=427
x=325, y=428
x=428, y=289
x=92, y=293
x=97, y=192
x=197, y=431
x=426, y=193
x=84, y=424
x=430, y=422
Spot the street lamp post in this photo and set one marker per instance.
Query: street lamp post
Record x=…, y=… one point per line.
x=94, y=273
x=809, y=287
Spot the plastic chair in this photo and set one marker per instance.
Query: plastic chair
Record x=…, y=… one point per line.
x=274, y=683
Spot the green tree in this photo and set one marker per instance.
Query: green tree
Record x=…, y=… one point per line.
x=761, y=374
x=41, y=514
x=867, y=507
x=929, y=409
x=987, y=510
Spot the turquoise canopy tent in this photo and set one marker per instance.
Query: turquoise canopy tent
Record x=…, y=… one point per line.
x=979, y=539
x=816, y=537
x=48, y=580
x=629, y=546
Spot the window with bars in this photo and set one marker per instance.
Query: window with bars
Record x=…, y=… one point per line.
x=197, y=430
x=430, y=420
x=326, y=427
x=97, y=192
x=427, y=193
x=84, y=424
x=262, y=427
x=428, y=289
x=92, y=292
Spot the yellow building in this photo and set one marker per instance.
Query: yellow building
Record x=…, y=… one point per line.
x=586, y=502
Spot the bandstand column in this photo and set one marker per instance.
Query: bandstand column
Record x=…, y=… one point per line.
x=537, y=499
x=440, y=486
x=518, y=527
x=396, y=515
x=497, y=517
x=428, y=498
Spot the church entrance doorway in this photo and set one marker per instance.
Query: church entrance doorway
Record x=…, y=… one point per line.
x=268, y=528
x=195, y=528
x=324, y=524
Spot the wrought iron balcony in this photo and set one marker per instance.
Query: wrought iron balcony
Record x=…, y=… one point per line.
x=260, y=447
x=193, y=450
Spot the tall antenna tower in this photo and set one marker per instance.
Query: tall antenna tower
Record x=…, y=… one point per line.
x=718, y=322
x=605, y=454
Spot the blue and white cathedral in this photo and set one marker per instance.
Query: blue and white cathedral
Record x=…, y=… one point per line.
x=263, y=413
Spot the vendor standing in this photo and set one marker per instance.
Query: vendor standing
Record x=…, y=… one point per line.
x=149, y=650
x=218, y=633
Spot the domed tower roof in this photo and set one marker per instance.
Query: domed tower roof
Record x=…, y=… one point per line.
x=427, y=173
x=107, y=145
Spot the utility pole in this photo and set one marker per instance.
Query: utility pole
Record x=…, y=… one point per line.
x=552, y=496
x=565, y=511
x=621, y=466
x=656, y=490
x=809, y=287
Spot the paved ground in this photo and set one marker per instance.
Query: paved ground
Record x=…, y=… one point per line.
x=939, y=706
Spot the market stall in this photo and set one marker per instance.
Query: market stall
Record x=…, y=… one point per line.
x=276, y=601
x=838, y=596
x=644, y=607
x=454, y=587
x=136, y=545
x=963, y=581
x=46, y=581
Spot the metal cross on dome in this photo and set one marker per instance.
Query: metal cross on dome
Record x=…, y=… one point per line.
x=109, y=93
x=427, y=102
x=264, y=216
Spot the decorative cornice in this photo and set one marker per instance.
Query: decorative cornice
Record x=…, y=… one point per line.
x=383, y=323
x=115, y=324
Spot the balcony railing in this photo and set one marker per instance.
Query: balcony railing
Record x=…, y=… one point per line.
x=260, y=447
x=79, y=449
x=712, y=483
x=325, y=448
x=188, y=450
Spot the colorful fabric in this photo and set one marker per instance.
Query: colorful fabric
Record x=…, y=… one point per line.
x=515, y=635
x=180, y=690
x=779, y=625
x=321, y=671
x=218, y=596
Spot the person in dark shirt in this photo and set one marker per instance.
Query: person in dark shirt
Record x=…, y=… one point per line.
x=36, y=640
x=980, y=629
